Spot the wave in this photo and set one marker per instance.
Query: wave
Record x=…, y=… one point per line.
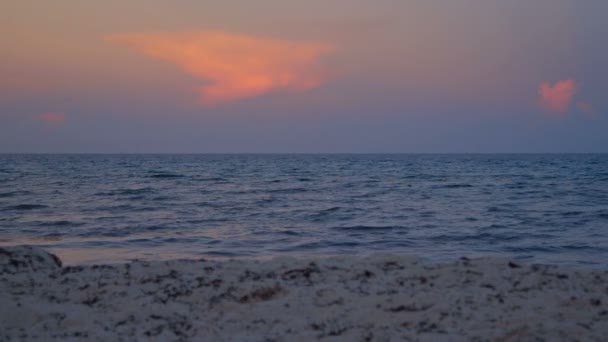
x=61, y=223
x=162, y=198
x=455, y=186
x=119, y=192
x=329, y=210
x=367, y=228
x=27, y=207
x=572, y=213
x=166, y=175
x=288, y=191
x=489, y=237
x=211, y=179
x=14, y=194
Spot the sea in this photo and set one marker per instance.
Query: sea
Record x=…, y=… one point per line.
x=540, y=208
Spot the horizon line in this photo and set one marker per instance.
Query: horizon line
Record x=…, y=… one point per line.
x=292, y=153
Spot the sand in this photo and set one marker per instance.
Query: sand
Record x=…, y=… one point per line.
x=375, y=298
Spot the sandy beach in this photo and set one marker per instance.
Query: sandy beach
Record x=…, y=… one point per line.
x=376, y=298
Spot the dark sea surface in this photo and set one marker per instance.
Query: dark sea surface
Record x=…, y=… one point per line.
x=111, y=208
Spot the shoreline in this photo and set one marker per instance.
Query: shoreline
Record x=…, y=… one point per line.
x=350, y=298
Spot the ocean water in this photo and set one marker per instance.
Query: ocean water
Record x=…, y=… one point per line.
x=112, y=208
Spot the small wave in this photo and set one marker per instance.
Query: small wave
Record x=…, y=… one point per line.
x=518, y=186
x=123, y=207
x=52, y=236
x=156, y=227
x=290, y=233
x=427, y=214
x=304, y=246
x=106, y=218
x=531, y=249
x=583, y=247
x=453, y=238
x=371, y=194
x=324, y=214
x=134, y=191
x=138, y=240
x=162, y=198
x=166, y=175
x=496, y=226
x=367, y=228
x=112, y=208
x=500, y=237
x=62, y=223
x=14, y=193
x=572, y=213
x=111, y=233
x=266, y=200
x=27, y=207
x=489, y=237
x=139, y=209
x=346, y=244
x=210, y=179
x=212, y=204
x=221, y=253
x=456, y=186
x=288, y=191
x=126, y=192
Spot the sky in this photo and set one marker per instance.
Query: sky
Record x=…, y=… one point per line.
x=316, y=76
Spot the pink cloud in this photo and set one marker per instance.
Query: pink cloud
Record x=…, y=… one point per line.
x=235, y=66
x=53, y=118
x=557, y=98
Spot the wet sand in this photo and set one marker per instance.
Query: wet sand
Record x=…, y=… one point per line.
x=376, y=298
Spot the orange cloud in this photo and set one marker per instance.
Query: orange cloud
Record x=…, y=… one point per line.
x=557, y=98
x=53, y=118
x=236, y=66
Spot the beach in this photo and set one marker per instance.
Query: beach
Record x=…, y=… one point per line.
x=277, y=171
x=350, y=298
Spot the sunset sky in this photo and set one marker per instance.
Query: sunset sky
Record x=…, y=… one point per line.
x=307, y=76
